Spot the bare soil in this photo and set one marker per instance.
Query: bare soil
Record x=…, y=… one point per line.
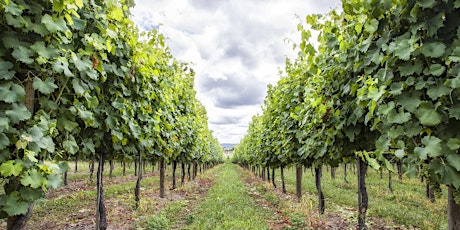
x=121, y=213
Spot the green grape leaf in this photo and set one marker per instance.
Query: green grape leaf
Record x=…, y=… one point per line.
x=457, y=4
x=435, y=23
x=420, y=83
x=395, y=132
x=373, y=163
x=110, y=122
x=454, y=112
x=11, y=92
x=451, y=176
x=454, y=160
x=30, y=194
x=432, y=147
x=10, y=40
x=30, y=155
x=409, y=102
x=70, y=145
x=88, y=146
x=32, y=178
x=406, y=68
x=5, y=74
x=18, y=22
x=54, y=25
x=433, y=49
x=62, y=67
x=435, y=70
x=427, y=114
x=371, y=26
x=396, y=88
x=4, y=141
x=4, y=124
x=410, y=80
x=11, y=168
x=92, y=102
x=373, y=55
x=399, y=153
x=77, y=87
x=386, y=108
x=116, y=135
x=404, y=48
x=438, y=91
x=18, y=113
x=358, y=28
x=82, y=64
x=23, y=54
x=45, y=87
x=79, y=3
x=58, y=5
x=21, y=144
x=47, y=52
x=398, y=118
x=12, y=8
x=87, y=117
x=454, y=83
x=453, y=143
x=39, y=28
x=54, y=181
x=14, y=206
x=436, y=166
x=47, y=143
x=117, y=14
x=135, y=130
x=455, y=55
x=65, y=124
x=388, y=165
x=36, y=133
x=427, y=3
x=78, y=24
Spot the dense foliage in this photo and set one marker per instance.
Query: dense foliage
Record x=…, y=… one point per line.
x=382, y=85
x=79, y=79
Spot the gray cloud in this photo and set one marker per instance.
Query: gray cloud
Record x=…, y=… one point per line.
x=234, y=91
x=242, y=52
x=237, y=48
x=226, y=119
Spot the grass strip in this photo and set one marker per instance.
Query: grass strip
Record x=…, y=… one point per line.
x=406, y=206
x=229, y=206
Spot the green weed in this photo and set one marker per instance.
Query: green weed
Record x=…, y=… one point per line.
x=297, y=221
x=157, y=222
x=272, y=198
x=189, y=219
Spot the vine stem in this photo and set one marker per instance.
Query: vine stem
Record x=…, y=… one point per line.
x=61, y=91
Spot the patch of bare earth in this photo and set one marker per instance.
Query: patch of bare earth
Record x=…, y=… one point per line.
x=120, y=208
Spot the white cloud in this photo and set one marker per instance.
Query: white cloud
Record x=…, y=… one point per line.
x=236, y=47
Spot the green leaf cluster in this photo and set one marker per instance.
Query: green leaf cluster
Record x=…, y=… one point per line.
x=382, y=84
x=78, y=79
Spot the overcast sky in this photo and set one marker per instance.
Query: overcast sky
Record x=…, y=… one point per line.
x=236, y=47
